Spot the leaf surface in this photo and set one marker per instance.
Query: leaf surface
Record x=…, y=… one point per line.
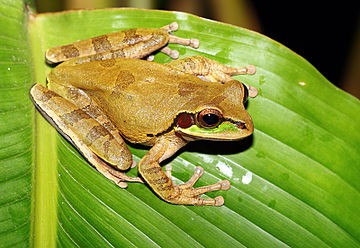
x=295, y=182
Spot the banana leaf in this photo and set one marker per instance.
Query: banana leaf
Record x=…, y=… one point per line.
x=295, y=181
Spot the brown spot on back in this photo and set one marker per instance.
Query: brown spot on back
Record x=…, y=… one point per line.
x=123, y=80
x=101, y=44
x=70, y=51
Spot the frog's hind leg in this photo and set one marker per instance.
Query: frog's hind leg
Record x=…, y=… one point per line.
x=132, y=43
x=213, y=71
x=80, y=99
x=75, y=124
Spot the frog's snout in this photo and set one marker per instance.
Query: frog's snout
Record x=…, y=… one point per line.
x=246, y=127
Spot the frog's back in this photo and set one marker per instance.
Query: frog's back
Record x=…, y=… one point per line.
x=149, y=96
x=142, y=98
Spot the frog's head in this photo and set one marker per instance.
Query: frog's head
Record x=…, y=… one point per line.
x=222, y=118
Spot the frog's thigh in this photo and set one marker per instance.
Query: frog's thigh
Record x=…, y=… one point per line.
x=84, y=102
x=81, y=129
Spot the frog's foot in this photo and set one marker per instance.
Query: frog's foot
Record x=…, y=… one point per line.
x=174, y=54
x=118, y=177
x=133, y=165
x=194, y=43
x=171, y=27
x=253, y=92
x=187, y=194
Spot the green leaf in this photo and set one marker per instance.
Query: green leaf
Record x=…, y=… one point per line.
x=294, y=183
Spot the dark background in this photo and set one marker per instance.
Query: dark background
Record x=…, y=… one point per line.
x=322, y=33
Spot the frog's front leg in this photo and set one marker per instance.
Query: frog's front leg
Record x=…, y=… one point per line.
x=159, y=181
x=92, y=139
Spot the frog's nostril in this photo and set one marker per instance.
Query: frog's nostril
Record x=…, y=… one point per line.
x=241, y=125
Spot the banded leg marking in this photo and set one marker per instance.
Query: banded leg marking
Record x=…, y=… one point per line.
x=47, y=103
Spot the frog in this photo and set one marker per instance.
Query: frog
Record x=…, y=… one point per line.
x=106, y=91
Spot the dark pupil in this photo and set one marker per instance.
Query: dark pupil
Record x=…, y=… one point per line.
x=210, y=119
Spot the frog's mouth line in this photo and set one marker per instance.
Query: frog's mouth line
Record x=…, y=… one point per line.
x=227, y=130
x=239, y=124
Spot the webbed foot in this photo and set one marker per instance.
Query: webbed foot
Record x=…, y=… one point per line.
x=194, y=43
x=186, y=194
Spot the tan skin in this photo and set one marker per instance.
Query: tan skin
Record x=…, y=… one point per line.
x=104, y=93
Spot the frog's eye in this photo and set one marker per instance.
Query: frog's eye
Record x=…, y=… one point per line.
x=209, y=118
x=246, y=93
